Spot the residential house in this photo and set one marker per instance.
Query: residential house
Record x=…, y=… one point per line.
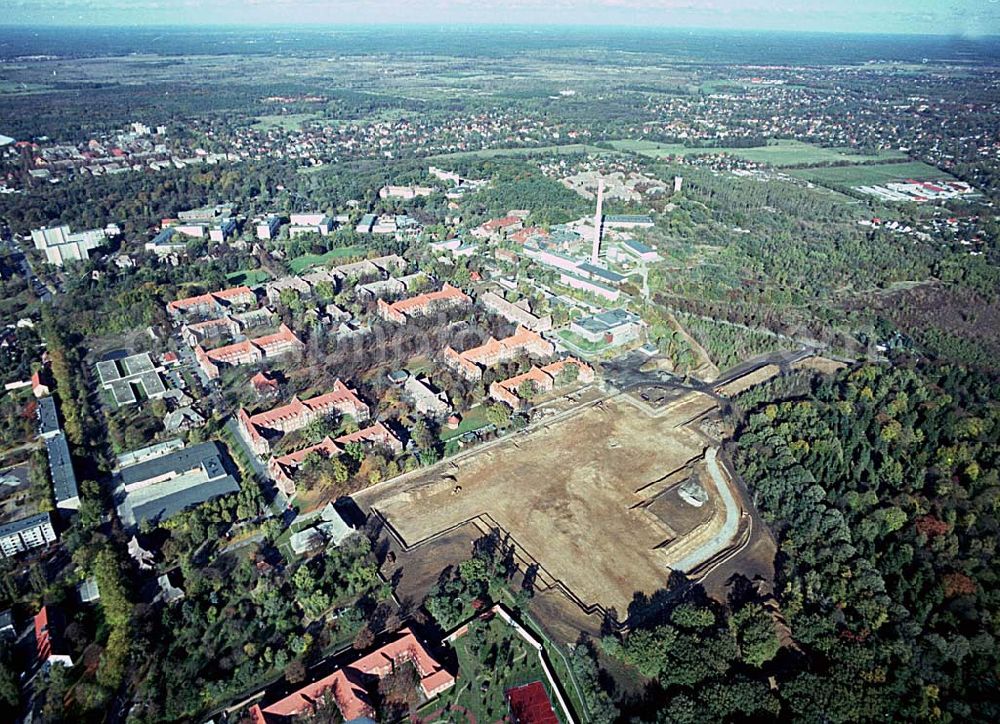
x=282, y=469
x=251, y=351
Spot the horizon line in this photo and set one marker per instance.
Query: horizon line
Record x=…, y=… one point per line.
x=325, y=27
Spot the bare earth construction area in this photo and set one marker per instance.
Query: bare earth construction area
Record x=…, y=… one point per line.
x=591, y=497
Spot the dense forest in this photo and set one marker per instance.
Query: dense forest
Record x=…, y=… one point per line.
x=882, y=489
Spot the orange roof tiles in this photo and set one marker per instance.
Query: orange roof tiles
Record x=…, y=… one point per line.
x=345, y=686
x=422, y=303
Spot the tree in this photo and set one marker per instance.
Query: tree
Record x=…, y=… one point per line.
x=526, y=390
x=498, y=415
x=753, y=628
x=295, y=672
x=421, y=435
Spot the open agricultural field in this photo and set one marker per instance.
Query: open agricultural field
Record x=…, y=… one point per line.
x=871, y=174
x=286, y=122
x=783, y=153
x=535, y=151
x=590, y=497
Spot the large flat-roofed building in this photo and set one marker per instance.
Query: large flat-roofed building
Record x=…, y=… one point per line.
x=591, y=286
x=207, y=213
x=21, y=535
x=61, y=246
x=48, y=417
x=123, y=377
x=640, y=251
x=628, y=221
x=312, y=223
x=268, y=227
x=163, y=485
x=615, y=326
x=64, y=485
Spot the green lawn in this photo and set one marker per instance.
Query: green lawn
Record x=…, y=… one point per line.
x=485, y=675
x=249, y=277
x=871, y=174
x=300, y=263
x=472, y=419
x=780, y=153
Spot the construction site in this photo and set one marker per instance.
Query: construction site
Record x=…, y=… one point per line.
x=603, y=500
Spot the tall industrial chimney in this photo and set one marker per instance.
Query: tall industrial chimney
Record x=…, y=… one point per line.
x=598, y=223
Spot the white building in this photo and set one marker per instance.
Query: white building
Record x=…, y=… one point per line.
x=61, y=246
x=18, y=536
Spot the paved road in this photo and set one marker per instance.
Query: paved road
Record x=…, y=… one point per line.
x=730, y=526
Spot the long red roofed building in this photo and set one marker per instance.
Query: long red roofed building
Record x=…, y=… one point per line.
x=283, y=468
x=472, y=362
x=544, y=379
x=297, y=414
x=211, y=304
x=247, y=352
x=349, y=687
x=423, y=304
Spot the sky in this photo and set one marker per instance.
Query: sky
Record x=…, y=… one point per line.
x=970, y=18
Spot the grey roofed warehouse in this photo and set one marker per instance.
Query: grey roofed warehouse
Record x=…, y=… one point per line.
x=164, y=485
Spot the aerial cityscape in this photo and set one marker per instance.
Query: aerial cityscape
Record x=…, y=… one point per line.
x=538, y=363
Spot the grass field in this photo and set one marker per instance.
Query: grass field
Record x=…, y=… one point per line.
x=481, y=690
x=531, y=151
x=781, y=153
x=300, y=263
x=287, y=122
x=249, y=277
x=871, y=174
x=474, y=419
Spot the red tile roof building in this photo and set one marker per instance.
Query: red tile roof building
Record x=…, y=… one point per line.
x=283, y=468
x=524, y=234
x=48, y=649
x=39, y=385
x=472, y=362
x=264, y=384
x=423, y=304
x=251, y=351
x=544, y=379
x=349, y=686
x=497, y=228
x=212, y=303
x=297, y=414
x=198, y=332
